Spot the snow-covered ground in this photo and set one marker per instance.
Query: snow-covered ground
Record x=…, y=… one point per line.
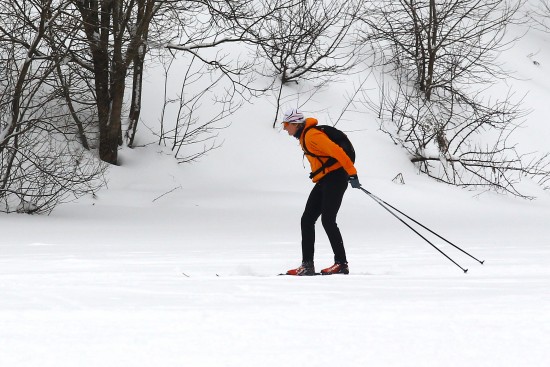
x=175, y=265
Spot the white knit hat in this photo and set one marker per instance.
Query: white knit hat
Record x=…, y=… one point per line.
x=294, y=116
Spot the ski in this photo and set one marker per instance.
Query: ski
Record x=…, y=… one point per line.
x=281, y=274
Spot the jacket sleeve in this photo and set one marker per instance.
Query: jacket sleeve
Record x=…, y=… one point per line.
x=320, y=144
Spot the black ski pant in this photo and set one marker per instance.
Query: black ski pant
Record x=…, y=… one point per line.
x=324, y=201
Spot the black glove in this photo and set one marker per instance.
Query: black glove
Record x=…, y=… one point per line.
x=354, y=181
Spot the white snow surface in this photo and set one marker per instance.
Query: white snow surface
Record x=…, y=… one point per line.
x=176, y=265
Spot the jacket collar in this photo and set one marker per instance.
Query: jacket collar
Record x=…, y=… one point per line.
x=310, y=122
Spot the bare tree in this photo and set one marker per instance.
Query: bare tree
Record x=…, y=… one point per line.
x=66, y=65
x=293, y=39
x=440, y=59
x=209, y=35
x=540, y=15
x=115, y=33
x=42, y=162
x=105, y=44
x=307, y=40
x=191, y=118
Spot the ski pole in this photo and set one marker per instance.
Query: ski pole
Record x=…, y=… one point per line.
x=423, y=226
x=382, y=204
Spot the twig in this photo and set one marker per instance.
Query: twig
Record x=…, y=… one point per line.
x=166, y=193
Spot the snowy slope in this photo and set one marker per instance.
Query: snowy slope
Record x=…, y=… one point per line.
x=174, y=265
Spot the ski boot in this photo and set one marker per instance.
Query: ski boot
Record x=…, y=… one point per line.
x=337, y=268
x=307, y=268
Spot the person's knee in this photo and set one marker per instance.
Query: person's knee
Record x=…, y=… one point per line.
x=329, y=221
x=307, y=221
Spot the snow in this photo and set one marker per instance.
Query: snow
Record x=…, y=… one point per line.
x=175, y=265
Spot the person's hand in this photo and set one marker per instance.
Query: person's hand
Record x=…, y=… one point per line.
x=354, y=181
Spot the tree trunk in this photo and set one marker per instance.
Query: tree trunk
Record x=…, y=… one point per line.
x=432, y=49
x=108, y=141
x=135, y=106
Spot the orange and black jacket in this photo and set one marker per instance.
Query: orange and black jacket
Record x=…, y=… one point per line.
x=321, y=148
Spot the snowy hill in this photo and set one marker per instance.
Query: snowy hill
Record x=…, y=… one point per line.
x=175, y=265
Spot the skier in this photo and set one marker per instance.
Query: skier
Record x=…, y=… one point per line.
x=332, y=168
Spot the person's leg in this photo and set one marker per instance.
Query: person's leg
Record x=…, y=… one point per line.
x=334, y=187
x=311, y=213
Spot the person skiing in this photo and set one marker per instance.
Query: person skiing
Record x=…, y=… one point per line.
x=330, y=179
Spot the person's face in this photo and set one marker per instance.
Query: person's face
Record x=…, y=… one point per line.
x=290, y=128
